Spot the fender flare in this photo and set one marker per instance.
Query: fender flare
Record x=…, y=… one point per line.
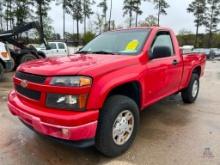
x=101, y=91
x=191, y=72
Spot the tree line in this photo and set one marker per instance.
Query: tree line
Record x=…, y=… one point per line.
x=207, y=14
x=16, y=12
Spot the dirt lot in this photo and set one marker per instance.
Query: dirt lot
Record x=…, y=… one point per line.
x=171, y=133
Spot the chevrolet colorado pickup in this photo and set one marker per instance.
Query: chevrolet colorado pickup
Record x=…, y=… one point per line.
x=95, y=97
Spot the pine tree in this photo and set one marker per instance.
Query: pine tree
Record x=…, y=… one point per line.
x=212, y=18
x=129, y=8
x=198, y=8
x=137, y=10
x=21, y=10
x=74, y=8
x=103, y=4
x=42, y=8
x=161, y=6
x=63, y=3
x=87, y=11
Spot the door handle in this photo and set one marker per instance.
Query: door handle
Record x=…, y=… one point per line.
x=175, y=62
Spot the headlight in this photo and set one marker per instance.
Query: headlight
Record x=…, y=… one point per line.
x=71, y=81
x=67, y=102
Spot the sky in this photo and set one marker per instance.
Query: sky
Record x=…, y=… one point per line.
x=177, y=17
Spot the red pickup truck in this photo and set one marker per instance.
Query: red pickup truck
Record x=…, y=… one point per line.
x=95, y=96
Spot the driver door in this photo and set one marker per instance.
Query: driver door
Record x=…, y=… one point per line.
x=163, y=72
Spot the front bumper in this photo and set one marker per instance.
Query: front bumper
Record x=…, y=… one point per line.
x=38, y=119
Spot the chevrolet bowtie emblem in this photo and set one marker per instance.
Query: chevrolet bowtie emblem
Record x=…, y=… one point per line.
x=24, y=83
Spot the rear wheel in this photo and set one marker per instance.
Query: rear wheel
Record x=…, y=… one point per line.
x=1, y=71
x=190, y=94
x=27, y=57
x=118, y=125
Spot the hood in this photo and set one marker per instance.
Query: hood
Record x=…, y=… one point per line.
x=90, y=65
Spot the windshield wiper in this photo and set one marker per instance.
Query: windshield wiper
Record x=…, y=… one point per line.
x=84, y=52
x=103, y=52
x=96, y=52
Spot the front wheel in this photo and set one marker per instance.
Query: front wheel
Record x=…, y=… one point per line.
x=27, y=57
x=118, y=125
x=190, y=94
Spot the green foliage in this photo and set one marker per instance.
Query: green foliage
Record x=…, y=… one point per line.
x=151, y=20
x=22, y=11
x=87, y=11
x=161, y=6
x=87, y=37
x=104, y=6
x=48, y=29
x=198, y=8
x=131, y=6
x=72, y=37
x=188, y=39
x=212, y=18
x=99, y=22
x=74, y=8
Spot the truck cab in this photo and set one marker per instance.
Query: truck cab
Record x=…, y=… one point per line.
x=57, y=49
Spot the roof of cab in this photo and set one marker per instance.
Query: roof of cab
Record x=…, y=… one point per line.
x=139, y=28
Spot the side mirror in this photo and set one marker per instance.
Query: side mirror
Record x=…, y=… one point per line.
x=161, y=52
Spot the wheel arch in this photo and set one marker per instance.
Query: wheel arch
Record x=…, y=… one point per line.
x=197, y=69
x=2, y=62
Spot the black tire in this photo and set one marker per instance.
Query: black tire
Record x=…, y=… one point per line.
x=13, y=65
x=104, y=137
x=187, y=94
x=1, y=71
x=27, y=57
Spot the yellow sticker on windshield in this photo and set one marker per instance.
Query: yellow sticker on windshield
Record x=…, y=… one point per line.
x=132, y=45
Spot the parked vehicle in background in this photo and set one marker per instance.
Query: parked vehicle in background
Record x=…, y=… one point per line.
x=95, y=97
x=210, y=53
x=6, y=62
x=22, y=53
x=205, y=51
x=187, y=49
x=56, y=49
x=216, y=52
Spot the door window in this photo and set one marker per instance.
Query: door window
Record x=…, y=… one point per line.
x=162, y=46
x=53, y=46
x=61, y=46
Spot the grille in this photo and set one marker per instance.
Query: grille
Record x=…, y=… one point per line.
x=30, y=77
x=35, y=95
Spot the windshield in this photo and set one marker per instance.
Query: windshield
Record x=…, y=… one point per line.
x=118, y=42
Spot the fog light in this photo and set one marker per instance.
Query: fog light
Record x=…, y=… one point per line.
x=65, y=131
x=68, y=99
x=66, y=102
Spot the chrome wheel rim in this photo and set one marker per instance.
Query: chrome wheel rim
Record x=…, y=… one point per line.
x=123, y=127
x=195, y=88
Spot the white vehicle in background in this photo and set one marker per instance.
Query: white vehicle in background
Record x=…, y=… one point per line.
x=6, y=62
x=57, y=49
x=187, y=49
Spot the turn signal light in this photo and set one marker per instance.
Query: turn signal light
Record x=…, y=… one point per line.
x=4, y=54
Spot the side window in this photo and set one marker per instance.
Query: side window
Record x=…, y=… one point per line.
x=162, y=46
x=53, y=46
x=61, y=46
